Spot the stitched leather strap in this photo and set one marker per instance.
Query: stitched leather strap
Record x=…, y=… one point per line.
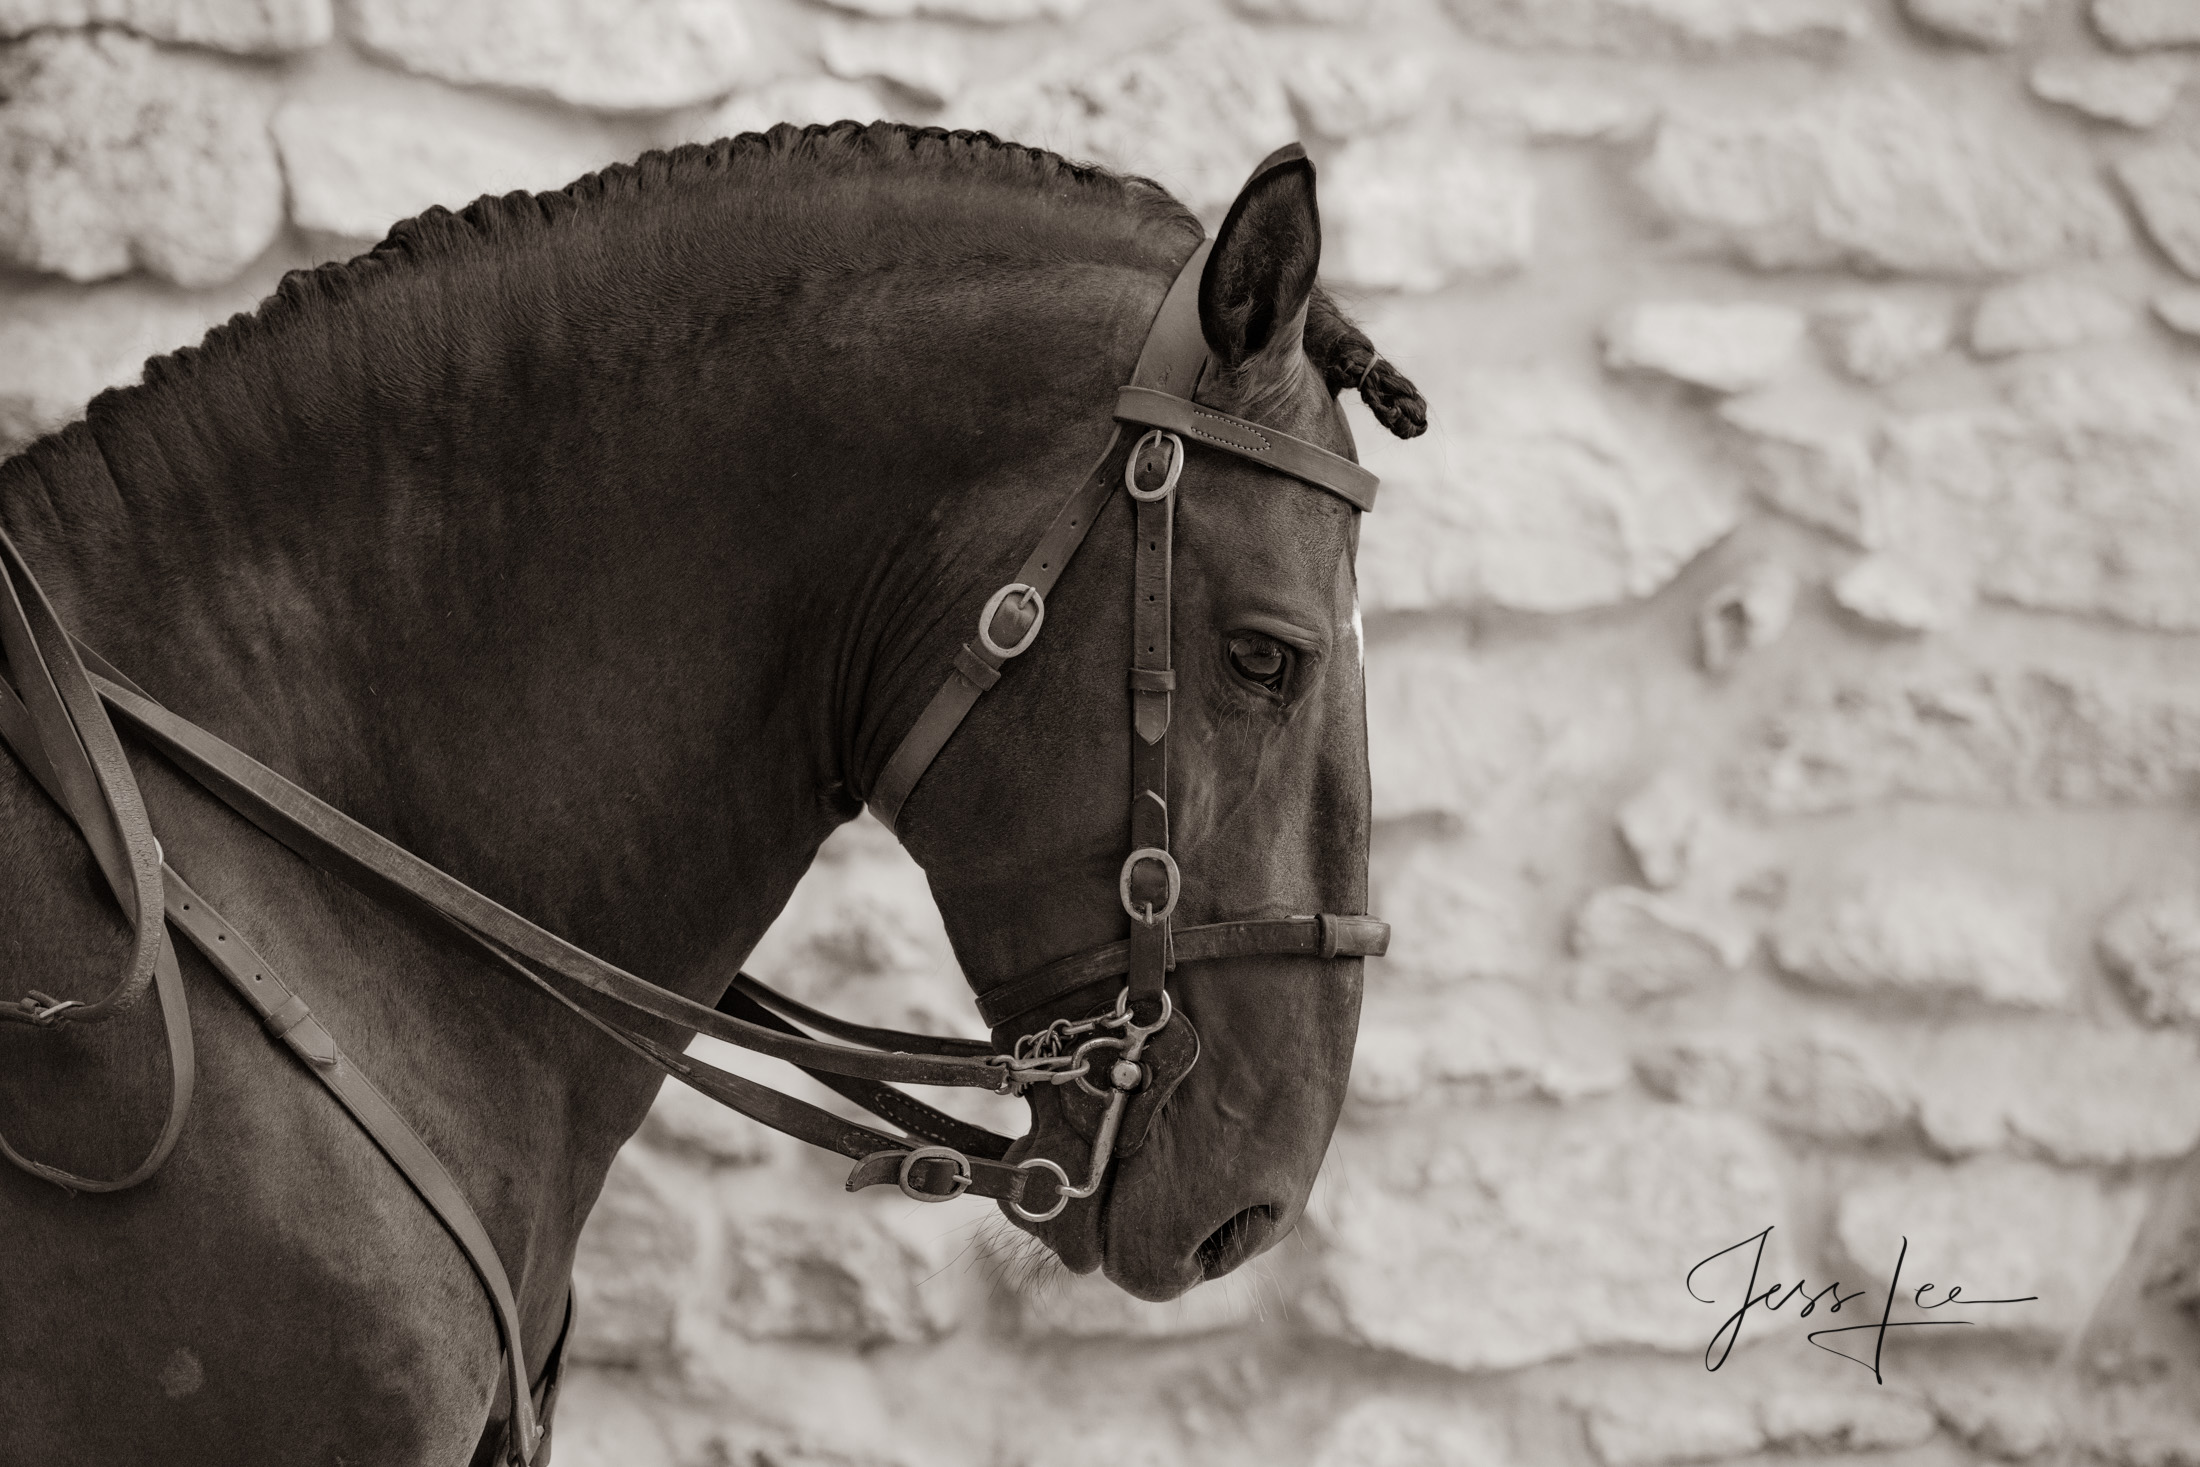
x=1271, y=448
x=1327, y=935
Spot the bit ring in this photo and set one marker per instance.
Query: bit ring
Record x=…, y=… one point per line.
x=1061, y=1192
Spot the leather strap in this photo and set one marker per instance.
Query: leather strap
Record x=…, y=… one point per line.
x=1271, y=448
x=98, y=796
x=1326, y=936
x=976, y=668
x=287, y=1017
x=333, y=841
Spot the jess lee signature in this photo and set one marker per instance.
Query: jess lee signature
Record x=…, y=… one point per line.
x=1778, y=1296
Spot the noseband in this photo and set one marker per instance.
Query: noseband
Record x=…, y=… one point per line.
x=54, y=716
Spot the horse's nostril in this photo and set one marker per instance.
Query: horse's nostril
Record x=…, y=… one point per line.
x=1235, y=1241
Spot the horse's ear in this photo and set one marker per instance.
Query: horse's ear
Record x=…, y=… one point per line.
x=1253, y=294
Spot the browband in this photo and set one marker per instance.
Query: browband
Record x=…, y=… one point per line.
x=1170, y=367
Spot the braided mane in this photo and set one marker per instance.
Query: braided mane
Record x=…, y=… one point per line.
x=1344, y=355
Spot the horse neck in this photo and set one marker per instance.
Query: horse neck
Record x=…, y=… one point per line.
x=582, y=602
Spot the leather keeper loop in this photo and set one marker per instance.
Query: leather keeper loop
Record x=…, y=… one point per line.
x=288, y=1016
x=1153, y=679
x=980, y=673
x=1328, y=926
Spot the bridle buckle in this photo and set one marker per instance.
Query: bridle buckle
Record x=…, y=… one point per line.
x=1148, y=917
x=1033, y=599
x=1175, y=447
x=909, y=1164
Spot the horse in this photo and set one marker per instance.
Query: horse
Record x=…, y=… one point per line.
x=600, y=547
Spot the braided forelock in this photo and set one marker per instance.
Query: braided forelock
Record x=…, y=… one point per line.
x=1347, y=358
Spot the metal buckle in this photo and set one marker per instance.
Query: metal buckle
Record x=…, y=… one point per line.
x=1176, y=885
x=932, y=1153
x=1168, y=481
x=985, y=620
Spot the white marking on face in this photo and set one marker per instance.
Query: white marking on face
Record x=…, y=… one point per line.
x=181, y=1374
x=1359, y=628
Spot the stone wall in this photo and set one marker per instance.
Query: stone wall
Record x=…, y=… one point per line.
x=1782, y=684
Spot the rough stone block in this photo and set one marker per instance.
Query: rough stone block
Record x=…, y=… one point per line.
x=984, y=12
x=2079, y=1096
x=1877, y=338
x=1393, y=1431
x=1635, y=945
x=635, y=1265
x=1651, y=1428
x=1485, y=741
x=1549, y=502
x=1539, y=1237
x=1419, y=210
x=1992, y=23
x=1889, y=591
x=1727, y=348
x=1491, y=1041
x=1833, y=1086
x=928, y=61
x=2075, y=1234
x=1878, y=177
x=1802, y=1418
x=1631, y=27
x=354, y=170
x=2135, y=24
x=1345, y=91
x=2136, y=93
x=1315, y=12
x=2052, y=732
x=688, y=1124
x=1931, y=932
x=247, y=27
x=1664, y=824
x=615, y=55
x=1051, y=1303
x=1744, y=616
x=58, y=349
x=836, y=1276
x=1195, y=113
x=2079, y=492
x=1997, y=1410
x=1447, y=926
x=116, y=154
x=2044, y=314
x=2153, y=945
x=2179, y=310
x=1561, y=110
x=2164, y=184
x=801, y=101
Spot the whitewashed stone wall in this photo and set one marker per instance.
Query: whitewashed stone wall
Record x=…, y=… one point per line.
x=1782, y=675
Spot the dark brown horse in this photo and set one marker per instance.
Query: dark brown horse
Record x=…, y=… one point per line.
x=599, y=546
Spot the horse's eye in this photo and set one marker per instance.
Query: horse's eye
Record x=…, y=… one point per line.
x=1261, y=660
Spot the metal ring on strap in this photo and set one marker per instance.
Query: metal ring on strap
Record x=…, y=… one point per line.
x=935, y=1153
x=1168, y=481
x=1031, y=633
x=1176, y=884
x=1061, y=1192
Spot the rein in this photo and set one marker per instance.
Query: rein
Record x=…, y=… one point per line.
x=54, y=715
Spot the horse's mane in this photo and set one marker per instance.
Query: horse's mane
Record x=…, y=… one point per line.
x=787, y=157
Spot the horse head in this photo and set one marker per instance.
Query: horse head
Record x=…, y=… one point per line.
x=1023, y=821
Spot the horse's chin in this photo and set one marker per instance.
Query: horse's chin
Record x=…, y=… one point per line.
x=1107, y=1230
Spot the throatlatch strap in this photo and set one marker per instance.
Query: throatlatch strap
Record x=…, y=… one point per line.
x=978, y=668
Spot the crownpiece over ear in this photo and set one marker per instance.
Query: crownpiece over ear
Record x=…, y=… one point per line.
x=1253, y=293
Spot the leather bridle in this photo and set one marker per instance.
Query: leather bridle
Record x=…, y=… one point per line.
x=54, y=706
